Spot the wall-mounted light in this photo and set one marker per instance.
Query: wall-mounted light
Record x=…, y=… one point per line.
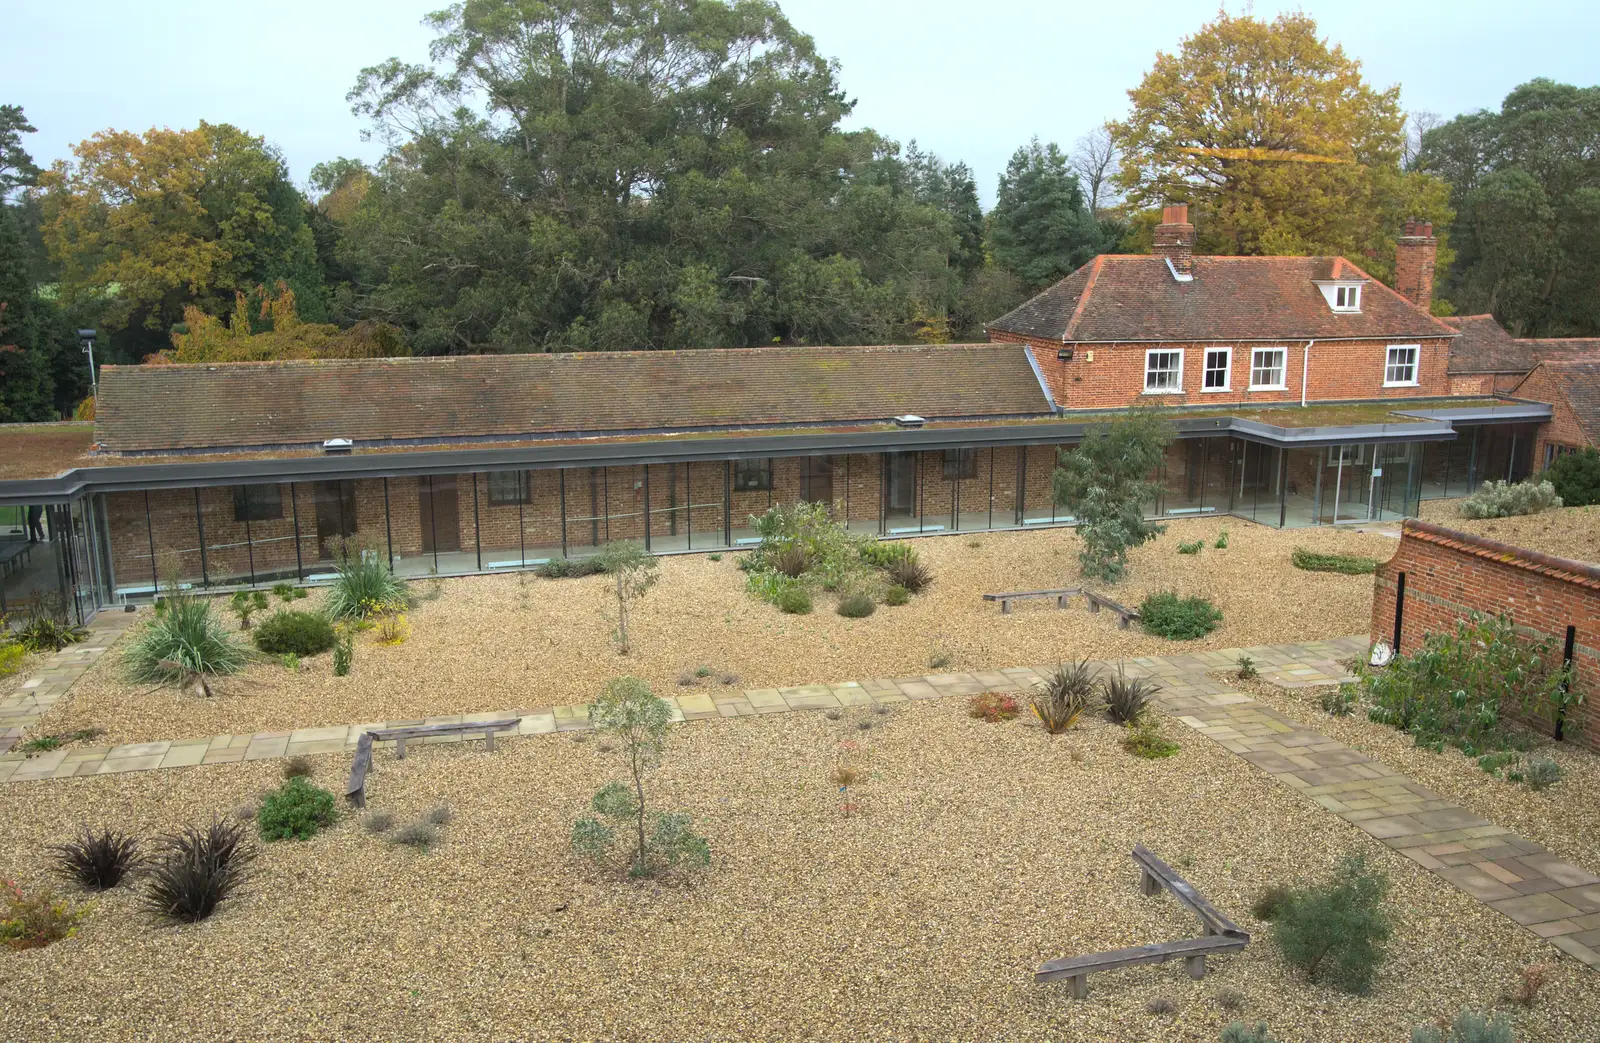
x=1065, y=354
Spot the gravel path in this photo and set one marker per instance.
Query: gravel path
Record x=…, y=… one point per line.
x=981, y=852
x=493, y=642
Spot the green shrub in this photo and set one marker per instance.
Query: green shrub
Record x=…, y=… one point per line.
x=1178, y=619
x=1273, y=899
x=1144, y=739
x=344, y=654
x=796, y=601
x=365, y=585
x=555, y=568
x=1335, y=931
x=1105, y=481
x=1576, y=477
x=857, y=606
x=878, y=554
x=246, y=603
x=295, y=811
x=896, y=595
x=1065, y=695
x=185, y=642
x=34, y=922
x=12, y=653
x=713, y=557
x=1340, y=701
x=1467, y=1028
x=1453, y=688
x=1192, y=548
x=1239, y=1032
x=298, y=633
x=283, y=591
x=1505, y=499
x=1247, y=668
x=46, y=627
x=803, y=544
x=1350, y=564
x=1222, y=540
x=1126, y=697
x=1540, y=773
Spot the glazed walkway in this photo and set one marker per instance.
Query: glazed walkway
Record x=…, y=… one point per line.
x=1519, y=878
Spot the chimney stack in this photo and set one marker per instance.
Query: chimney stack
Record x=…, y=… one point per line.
x=1414, y=254
x=1174, y=239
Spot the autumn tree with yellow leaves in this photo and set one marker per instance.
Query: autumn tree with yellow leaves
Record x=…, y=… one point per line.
x=271, y=332
x=1277, y=143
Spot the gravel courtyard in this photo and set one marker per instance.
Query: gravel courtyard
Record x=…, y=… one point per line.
x=980, y=852
x=503, y=642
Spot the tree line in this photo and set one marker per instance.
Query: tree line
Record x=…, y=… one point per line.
x=669, y=174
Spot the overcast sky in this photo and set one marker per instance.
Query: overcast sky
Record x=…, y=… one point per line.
x=970, y=80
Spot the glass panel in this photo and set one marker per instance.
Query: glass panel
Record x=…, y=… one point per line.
x=708, y=498
x=670, y=518
x=1185, y=480
x=271, y=531
x=858, y=481
x=1302, y=467
x=1217, y=474
x=624, y=503
x=1395, y=481
x=227, y=557
x=585, y=510
x=541, y=517
x=1257, y=492
x=132, y=562
x=902, y=494
x=503, y=501
x=1039, y=466
x=972, y=489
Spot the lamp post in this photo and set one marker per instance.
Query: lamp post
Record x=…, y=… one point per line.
x=87, y=339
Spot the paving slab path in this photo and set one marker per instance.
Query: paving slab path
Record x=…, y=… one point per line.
x=1553, y=898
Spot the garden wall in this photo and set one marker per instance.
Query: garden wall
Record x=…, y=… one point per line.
x=1449, y=574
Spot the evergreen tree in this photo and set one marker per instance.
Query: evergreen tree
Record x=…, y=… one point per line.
x=1041, y=228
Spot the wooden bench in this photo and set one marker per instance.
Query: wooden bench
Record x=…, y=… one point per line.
x=1005, y=600
x=356, y=788
x=1220, y=934
x=1125, y=615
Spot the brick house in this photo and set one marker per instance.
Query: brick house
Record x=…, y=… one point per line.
x=1572, y=387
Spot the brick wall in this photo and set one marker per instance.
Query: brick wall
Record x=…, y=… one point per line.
x=1563, y=428
x=1450, y=574
x=1340, y=370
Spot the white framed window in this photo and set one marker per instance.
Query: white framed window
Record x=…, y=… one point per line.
x=1400, y=369
x=1347, y=298
x=1218, y=371
x=1266, y=369
x=1163, y=372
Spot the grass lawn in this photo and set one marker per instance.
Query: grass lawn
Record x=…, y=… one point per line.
x=506, y=642
x=980, y=851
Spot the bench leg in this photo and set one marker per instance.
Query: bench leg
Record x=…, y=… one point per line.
x=1196, y=966
x=400, y=748
x=488, y=741
x=1147, y=883
x=1005, y=608
x=1061, y=602
x=1080, y=986
x=1094, y=606
x=358, y=799
x=1122, y=622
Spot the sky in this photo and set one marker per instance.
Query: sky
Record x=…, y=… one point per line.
x=969, y=81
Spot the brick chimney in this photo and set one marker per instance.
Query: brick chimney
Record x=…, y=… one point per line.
x=1174, y=239
x=1413, y=263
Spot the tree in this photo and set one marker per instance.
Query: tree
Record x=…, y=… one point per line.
x=1576, y=477
x=1040, y=228
x=39, y=358
x=1526, y=188
x=284, y=335
x=1106, y=482
x=149, y=225
x=1418, y=124
x=1094, y=160
x=633, y=716
x=1277, y=144
x=633, y=570
x=16, y=166
x=584, y=174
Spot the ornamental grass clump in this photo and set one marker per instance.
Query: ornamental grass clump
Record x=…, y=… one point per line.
x=1127, y=698
x=184, y=645
x=624, y=835
x=97, y=860
x=1335, y=931
x=364, y=583
x=1065, y=695
x=197, y=869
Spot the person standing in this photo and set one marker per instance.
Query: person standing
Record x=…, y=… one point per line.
x=35, y=527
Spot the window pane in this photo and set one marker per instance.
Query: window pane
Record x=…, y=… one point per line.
x=1216, y=375
x=1161, y=370
x=1266, y=368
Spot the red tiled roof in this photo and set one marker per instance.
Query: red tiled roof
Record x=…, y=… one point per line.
x=1485, y=347
x=1579, y=381
x=257, y=404
x=1118, y=297
x=1556, y=348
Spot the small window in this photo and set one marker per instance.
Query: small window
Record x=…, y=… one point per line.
x=1401, y=368
x=1266, y=369
x=752, y=475
x=508, y=488
x=1347, y=298
x=960, y=464
x=1163, y=372
x=257, y=502
x=1555, y=451
x=1219, y=364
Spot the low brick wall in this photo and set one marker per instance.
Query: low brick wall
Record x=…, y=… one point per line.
x=1448, y=574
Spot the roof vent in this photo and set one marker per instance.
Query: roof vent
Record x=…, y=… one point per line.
x=337, y=445
x=909, y=420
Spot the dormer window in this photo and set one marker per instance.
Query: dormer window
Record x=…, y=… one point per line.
x=1347, y=298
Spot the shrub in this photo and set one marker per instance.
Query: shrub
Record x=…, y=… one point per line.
x=878, y=554
x=298, y=633
x=283, y=591
x=197, y=870
x=1106, y=483
x=1239, y=1032
x=1531, y=980
x=1065, y=695
x=1160, y=1005
x=1178, y=619
x=555, y=568
x=1505, y=499
x=1192, y=548
x=1126, y=697
x=12, y=653
x=1340, y=701
x=378, y=822
x=993, y=707
x=1452, y=689
x=896, y=595
x=344, y=654
x=908, y=571
x=1335, y=931
x=184, y=644
x=46, y=627
x=365, y=584
x=1467, y=1028
x=439, y=816
x=33, y=923
x=1541, y=773
x=422, y=835
x=298, y=767
x=634, y=570
x=295, y=810
x=1229, y=999
x=1144, y=739
x=713, y=557
x=1222, y=540
x=1247, y=668
x=1271, y=901
x=98, y=861
x=795, y=601
x=1576, y=477
x=1350, y=564
x=857, y=606
x=246, y=603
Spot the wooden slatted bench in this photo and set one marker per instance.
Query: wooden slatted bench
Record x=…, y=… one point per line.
x=1005, y=600
x=1220, y=933
x=356, y=788
x=1125, y=615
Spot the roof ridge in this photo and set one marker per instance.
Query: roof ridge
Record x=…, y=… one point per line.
x=1083, y=299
